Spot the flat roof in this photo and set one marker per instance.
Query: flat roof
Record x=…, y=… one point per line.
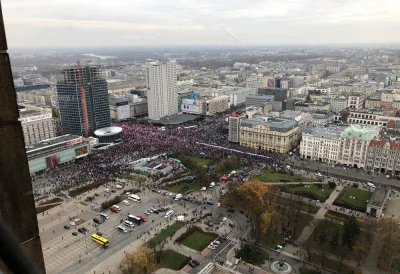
x=51, y=142
x=331, y=132
x=275, y=123
x=366, y=133
x=108, y=131
x=378, y=197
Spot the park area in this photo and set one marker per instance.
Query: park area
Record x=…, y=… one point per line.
x=173, y=260
x=273, y=176
x=319, y=192
x=132, y=177
x=273, y=237
x=353, y=198
x=168, y=232
x=330, y=247
x=199, y=161
x=252, y=255
x=195, y=238
x=182, y=187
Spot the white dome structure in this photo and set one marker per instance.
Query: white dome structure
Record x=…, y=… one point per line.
x=109, y=135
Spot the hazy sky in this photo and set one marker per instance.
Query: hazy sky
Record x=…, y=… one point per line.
x=72, y=23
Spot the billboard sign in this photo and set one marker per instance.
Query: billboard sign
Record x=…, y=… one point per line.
x=190, y=106
x=35, y=118
x=123, y=112
x=53, y=161
x=80, y=152
x=74, y=142
x=270, y=83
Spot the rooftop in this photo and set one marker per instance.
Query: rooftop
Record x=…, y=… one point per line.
x=330, y=132
x=378, y=198
x=52, y=142
x=276, y=124
x=366, y=133
x=381, y=143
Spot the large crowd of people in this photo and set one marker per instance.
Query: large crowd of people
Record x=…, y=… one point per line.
x=143, y=140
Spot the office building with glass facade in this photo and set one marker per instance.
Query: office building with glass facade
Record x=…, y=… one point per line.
x=72, y=106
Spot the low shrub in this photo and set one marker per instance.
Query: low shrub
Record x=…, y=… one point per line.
x=83, y=189
x=109, y=203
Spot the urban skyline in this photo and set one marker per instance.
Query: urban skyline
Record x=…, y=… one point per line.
x=125, y=23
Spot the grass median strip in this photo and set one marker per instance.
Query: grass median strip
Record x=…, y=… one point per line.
x=168, y=232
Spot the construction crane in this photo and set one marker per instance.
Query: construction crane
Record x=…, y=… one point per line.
x=83, y=97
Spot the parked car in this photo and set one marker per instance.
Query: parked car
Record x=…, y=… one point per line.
x=74, y=234
x=196, y=262
x=113, y=190
x=125, y=202
x=80, y=230
x=85, y=229
x=99, y=233
x=66, y=227
x=192, y=264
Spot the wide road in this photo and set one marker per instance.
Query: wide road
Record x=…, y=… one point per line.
x=63, y=255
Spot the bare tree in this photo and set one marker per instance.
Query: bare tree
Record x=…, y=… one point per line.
x=158, y=249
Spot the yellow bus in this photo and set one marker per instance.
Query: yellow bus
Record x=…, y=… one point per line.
x=100, y=240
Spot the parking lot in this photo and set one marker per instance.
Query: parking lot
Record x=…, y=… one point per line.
x=67, y=249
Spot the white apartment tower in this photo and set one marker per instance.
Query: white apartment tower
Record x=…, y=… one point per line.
x=161, y=89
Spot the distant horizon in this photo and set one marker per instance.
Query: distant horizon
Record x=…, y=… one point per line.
x=261, y=46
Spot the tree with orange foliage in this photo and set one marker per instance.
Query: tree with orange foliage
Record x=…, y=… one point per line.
x=142, y=260
x=258, y=199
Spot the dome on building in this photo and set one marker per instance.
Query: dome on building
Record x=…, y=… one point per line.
x=109, y=134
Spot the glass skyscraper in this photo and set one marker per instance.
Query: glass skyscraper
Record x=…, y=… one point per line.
x=72, y=110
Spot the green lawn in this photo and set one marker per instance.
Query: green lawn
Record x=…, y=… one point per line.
x=132, y=177
x=314, y=191
x=198, y=240
x=269, y=175
x=167, y=232
x=173, y=260
x=360, y=201
x=183, y=187
x=252, y=255
x=198, y=160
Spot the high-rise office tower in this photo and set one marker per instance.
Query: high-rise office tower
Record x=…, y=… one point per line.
x=83, y=100
x=162, y=94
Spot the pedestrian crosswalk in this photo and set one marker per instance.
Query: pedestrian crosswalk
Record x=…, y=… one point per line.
x=228, y=263
x=233, y=239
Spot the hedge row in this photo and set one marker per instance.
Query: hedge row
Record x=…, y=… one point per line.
x=109, y=203
x=193, y=229
x=51, y=201
x=83, y=189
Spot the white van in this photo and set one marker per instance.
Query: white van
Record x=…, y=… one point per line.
x=103, y=215
x=129, y=224
x=178, y=197
x=134, y=198
x=169, y=213
x=122, y=229
x=212, y=184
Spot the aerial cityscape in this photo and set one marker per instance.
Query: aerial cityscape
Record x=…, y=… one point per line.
x=228, y=156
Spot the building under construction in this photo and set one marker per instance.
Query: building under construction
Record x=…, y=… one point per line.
x=83, y=100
